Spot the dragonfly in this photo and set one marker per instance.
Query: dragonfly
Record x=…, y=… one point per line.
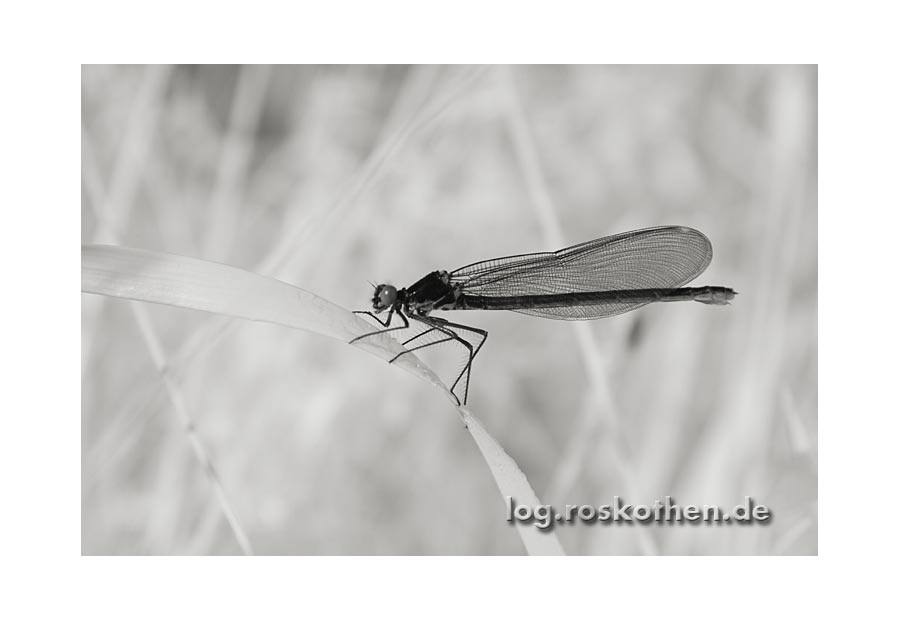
x=592, y=280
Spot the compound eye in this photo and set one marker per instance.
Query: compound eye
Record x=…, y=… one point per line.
x=385, y=296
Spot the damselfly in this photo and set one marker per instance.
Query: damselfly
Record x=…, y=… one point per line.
x=591, y=280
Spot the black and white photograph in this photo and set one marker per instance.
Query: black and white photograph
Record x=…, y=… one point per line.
x=449, y=310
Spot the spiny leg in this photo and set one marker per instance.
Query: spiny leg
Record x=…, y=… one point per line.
x=434, y=324
x=419, y=335
x=450, y=337
x=467, y=370
x=386, y=323
x=444, y=327
x=421, y=346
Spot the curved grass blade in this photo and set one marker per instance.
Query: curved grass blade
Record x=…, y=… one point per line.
x=161, y=278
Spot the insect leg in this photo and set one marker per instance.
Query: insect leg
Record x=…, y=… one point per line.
x=446, y=327
x=472, y=353
x=386, y=323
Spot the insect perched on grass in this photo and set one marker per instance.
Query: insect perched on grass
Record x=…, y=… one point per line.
x=591, y=280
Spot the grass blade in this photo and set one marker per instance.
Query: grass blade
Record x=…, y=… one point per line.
x=161, y=278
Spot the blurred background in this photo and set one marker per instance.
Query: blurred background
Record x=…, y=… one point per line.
x=331, y=177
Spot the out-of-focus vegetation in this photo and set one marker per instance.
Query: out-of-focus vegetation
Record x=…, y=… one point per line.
x=331, y=177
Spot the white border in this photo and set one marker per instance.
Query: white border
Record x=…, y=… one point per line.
x=859, y=343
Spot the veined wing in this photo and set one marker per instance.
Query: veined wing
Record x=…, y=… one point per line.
x=662, y=257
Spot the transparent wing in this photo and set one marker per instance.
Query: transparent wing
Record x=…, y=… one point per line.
x=663, y=257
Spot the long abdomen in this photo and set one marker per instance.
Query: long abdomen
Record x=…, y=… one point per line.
x=717, y=295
